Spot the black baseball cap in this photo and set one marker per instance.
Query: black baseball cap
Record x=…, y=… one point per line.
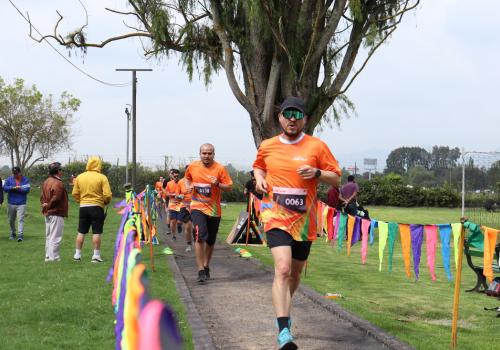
x=16, y=170
x=293, y=102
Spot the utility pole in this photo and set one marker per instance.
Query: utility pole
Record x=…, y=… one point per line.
x=134, y=118
x=127, y=112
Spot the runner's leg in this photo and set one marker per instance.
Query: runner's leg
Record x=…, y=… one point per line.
x=282, y=256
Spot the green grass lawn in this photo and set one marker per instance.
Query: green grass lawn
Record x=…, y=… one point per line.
x=66, y=305
x=417, y=312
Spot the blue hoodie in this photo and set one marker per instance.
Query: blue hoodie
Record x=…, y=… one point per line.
x=16, y=196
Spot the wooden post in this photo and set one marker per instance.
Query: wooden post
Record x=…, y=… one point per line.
x=456, y=297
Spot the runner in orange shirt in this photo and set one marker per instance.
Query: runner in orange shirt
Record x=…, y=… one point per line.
x=184, y=195
x=174, y=204
x=208, y=178
x=287, y=170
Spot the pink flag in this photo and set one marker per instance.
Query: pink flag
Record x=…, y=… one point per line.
x=431, y=241
x=365, y=228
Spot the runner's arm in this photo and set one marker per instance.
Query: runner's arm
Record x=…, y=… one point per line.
x=308, y=172
x=260, y=180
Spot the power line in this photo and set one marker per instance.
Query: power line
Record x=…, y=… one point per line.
x=64, y=57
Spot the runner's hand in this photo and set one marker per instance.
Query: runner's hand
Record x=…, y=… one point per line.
x=261, y=185
x=306, y=172
x=213, y=180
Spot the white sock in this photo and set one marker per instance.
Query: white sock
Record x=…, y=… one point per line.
x=97, y=252
x=78, y=253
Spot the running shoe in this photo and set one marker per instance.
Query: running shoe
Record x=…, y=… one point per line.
x=285, y=340
x=96, y=259
x=201, y=276
x=188, y=248
x=207, y=272
x=20, y=239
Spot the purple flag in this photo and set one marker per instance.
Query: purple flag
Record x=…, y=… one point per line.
x=337, y=222
x=356, y=232
x=417, y=237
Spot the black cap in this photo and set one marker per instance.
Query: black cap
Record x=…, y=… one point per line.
x=293, y=102
x=54, y=168
x=16, y=170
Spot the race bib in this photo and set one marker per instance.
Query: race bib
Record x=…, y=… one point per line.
x=203, y=189
x=291, y=198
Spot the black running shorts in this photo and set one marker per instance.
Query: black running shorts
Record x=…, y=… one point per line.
x=279, y=238
x=205, y=227
x=91, y=216
x=184, y=215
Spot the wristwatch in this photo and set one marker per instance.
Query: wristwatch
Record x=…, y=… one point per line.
x=317, y=173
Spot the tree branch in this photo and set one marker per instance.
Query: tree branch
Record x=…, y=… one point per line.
x=316, y=48
x=228, y=60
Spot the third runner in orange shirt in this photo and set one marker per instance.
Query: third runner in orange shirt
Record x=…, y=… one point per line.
x=207, y=178
x=287, y=170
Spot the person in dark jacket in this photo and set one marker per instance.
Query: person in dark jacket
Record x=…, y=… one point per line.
x=54, y=202
x=1, y=191
x=17, y=187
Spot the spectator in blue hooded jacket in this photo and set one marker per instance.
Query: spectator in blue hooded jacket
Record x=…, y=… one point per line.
x=17, y=187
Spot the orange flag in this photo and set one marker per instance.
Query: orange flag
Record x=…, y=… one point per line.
x=404, y=231
x=490, y=240
x=350, y=228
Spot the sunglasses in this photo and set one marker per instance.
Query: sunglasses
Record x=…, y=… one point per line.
x=289, y=114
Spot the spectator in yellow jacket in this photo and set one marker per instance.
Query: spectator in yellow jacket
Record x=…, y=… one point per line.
x=92, y=191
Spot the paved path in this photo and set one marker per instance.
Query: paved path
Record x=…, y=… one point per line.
x=233, y=310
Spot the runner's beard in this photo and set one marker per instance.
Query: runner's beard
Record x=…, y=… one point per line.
x=292, y=135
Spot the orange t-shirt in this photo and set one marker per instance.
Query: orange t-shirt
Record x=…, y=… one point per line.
x=186, y=195
x=159, y=188
x=171, y=190
x=290, y=204
x=206, y=197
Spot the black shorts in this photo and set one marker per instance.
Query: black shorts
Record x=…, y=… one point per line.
x=184, y=215
x=91, y=216
x=279, y=238
x=173, y=214
x=205, y=227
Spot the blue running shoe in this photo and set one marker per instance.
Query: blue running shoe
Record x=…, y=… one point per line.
x=285, y=340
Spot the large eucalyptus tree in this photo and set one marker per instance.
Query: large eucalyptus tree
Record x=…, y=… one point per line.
x=269, y=49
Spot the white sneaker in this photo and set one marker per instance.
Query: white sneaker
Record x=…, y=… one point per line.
x=188, y=248
x=97, y=259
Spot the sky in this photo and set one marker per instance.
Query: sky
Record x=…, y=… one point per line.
x=435, y=82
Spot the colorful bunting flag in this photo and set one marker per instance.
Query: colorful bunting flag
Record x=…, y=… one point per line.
x=490, y=241
x=393, y=231
x=351, y=220
x=456, y=229
x=431, y=242
x=382, y=241
x=404, y=232
x=445, y=235
x=365, y=228
x=341, y=230
x=417, y=237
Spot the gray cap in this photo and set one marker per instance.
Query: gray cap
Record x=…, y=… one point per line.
x=293, y=102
